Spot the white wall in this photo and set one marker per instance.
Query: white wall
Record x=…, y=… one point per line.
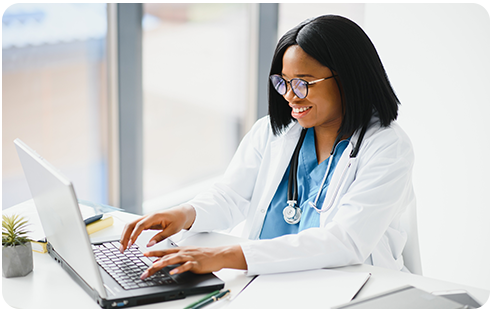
x=437, y=58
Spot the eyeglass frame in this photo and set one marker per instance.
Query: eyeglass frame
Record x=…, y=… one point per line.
x=306, y=83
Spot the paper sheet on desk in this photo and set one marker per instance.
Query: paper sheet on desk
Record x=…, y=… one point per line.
x=315, y=289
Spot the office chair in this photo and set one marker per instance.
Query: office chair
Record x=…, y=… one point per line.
x=411, y=254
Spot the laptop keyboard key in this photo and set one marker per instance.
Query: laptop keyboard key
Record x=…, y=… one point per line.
x=127, y=268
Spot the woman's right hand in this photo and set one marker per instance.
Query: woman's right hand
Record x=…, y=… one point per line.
x=170, y=221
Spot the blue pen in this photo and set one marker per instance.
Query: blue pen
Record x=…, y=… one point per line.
x=92, y=219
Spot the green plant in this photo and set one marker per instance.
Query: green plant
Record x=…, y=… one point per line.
x=14, y=230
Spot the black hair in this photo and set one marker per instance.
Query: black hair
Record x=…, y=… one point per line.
x=342, y=46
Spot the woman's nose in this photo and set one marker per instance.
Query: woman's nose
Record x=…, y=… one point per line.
x=290, y=95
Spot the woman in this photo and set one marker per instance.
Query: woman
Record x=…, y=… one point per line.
x=322, y=181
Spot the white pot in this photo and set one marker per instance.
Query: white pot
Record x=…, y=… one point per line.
x=17, y=260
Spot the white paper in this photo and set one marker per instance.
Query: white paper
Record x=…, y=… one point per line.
x=315, y=289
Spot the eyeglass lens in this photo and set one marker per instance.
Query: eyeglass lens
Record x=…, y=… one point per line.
x=299, y=86
x=279, y=84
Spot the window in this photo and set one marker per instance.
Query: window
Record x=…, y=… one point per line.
x=195, y=91
x=54, y=94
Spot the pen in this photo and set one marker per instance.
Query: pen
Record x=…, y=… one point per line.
x=211, y=299
x=214, y=293
x=92, y=219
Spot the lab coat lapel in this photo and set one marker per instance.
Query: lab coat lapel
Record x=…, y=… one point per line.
x=281, y=151
x=336, y=183
x=343, y=166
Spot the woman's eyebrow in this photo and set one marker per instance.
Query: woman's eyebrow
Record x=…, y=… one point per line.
x=300, y=75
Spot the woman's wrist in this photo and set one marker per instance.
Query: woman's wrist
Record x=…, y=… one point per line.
x=190, y=215
x=232, y=257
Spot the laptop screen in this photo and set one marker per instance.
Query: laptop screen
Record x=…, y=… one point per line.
x=58, y=210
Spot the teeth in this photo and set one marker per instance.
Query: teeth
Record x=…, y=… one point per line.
x=300, y=110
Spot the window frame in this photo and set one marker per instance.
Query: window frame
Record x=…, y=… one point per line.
x=125, y=85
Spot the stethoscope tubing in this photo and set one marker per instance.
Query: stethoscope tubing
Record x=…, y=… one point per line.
x=313, y=204
x=294, y=163
x=335, y=192
x=292, y=185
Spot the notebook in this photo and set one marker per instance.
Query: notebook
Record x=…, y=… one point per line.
x=96, y=267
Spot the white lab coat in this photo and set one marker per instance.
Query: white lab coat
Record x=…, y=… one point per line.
x=362, y=225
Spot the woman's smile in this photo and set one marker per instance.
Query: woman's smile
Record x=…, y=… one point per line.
x=299, y=112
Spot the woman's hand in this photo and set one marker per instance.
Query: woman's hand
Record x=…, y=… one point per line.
x=170, y=221
x=198, y=260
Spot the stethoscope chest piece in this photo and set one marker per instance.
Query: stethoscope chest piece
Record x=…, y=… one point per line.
x=292, y=213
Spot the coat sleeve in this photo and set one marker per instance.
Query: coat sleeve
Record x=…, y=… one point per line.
x=226, y=203
x=377, y=196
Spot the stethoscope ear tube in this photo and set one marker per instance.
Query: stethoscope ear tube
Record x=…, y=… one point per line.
x=294, y=162
x=355, y=151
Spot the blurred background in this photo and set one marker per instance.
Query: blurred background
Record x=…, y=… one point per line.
x=142, y=106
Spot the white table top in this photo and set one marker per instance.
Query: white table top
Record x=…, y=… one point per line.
x=50, y=287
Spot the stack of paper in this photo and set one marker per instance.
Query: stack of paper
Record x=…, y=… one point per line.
x=315, y=289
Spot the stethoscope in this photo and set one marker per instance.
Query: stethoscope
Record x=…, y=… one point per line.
x=292, y=213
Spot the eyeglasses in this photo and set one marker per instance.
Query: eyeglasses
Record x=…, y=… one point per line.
x=299, y=86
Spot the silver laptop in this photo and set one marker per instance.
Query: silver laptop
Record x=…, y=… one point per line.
x=109, y=277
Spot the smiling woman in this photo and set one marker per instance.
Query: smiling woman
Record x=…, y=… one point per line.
x=321, y=107
x=361, y=79
x=339, y=199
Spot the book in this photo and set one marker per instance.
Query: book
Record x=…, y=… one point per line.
x=39, y=246
x=104, y=222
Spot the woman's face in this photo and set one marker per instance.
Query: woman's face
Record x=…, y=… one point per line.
x=322, y=108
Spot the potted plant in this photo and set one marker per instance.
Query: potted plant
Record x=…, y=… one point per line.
x=17, y=255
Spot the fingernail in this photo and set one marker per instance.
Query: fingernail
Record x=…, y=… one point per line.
x=144, y=275
x=151, y=243
x=121, y=249
x=174, y=271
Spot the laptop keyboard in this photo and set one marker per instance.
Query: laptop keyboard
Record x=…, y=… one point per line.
x=126, y=268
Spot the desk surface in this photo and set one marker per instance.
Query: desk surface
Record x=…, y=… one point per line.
x=50, y=287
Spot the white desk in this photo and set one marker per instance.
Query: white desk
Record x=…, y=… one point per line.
x=50, y=287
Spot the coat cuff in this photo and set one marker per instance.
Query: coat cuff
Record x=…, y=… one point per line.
x=249, y=255
x=199, y=225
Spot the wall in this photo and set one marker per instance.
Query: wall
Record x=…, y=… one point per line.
x=437, y=58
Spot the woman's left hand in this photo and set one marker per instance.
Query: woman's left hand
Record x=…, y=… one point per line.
x=198, y=260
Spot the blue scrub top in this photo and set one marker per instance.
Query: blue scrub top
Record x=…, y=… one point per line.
x=309, y=177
